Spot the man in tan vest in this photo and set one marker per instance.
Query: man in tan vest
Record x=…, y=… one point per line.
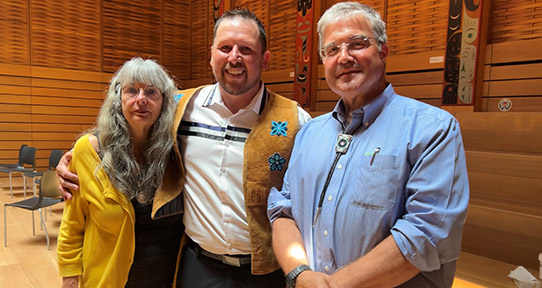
x=234, y=139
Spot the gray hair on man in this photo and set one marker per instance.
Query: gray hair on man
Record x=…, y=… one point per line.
x=349, y=10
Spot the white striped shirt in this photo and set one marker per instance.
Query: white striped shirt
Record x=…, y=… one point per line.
x=211, y=140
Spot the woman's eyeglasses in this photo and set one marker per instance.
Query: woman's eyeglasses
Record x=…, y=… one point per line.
x=150, y=92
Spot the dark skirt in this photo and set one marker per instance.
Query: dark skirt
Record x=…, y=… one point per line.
x=157, y=247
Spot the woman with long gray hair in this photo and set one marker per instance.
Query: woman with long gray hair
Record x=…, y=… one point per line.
x=122, y=228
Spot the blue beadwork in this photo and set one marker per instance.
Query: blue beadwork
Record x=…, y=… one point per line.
x=178, y=96
x=279, y=128
x=276, y=162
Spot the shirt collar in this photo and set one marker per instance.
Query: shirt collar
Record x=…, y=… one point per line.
x=365, y=115
x=256, y=105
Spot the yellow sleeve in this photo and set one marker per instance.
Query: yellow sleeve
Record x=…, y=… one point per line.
x=72, y=228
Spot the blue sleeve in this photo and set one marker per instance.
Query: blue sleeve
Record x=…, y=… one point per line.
x=429, y=234
x=279, y=204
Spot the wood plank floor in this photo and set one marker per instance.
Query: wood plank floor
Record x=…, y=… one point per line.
x=25, y=262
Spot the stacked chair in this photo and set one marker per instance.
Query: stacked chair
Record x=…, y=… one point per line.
x=14, y=164
x=27, y=157
x=54, y=158
x=48, y=195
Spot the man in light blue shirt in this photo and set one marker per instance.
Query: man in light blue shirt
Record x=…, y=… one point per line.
x=376, y=191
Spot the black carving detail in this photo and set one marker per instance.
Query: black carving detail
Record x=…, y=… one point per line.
x=304, y=5
x=469, y=4
x=302, y=77
x=215, y=10
x=451, y=69
x=453, y=46
x=449, y=95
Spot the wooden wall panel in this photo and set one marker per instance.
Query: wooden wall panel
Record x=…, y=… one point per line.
x=130, y=28
x=259, y=8
x=210, y=28
x=507, y=132
x=280, y=81
x=281, y=34
x=14, y=39
x=520, y=104
x=513, y=71
x=200, y=52
x=502, y=235
x=515, y=20
x=416, y=26
x=504, y=161
x=15, y=112
x=177, y=34
x=378, y=5
x=62, y=108
x=66, y=34
x=48, y=108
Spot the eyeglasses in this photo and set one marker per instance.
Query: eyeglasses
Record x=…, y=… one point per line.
x=356, y=43
x=150, y=92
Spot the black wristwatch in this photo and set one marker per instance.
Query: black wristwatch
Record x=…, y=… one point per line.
x=292, y=276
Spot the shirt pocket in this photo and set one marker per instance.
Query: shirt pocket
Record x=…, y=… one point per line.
x=376, y=186
x=256, y=193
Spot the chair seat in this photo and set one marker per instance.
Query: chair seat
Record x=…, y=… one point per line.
x=5, y=165
x=33, y=174
x=22, y=169
x=32, y=203
x=19, y=169
x=6, y=169
x=49, y=194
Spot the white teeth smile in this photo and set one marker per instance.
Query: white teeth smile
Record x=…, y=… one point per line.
x=235, y=72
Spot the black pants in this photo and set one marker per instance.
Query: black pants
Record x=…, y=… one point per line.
x=198, y=271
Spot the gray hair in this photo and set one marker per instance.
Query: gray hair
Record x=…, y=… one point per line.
x=134, y=179
x=348, y=10
x=247, y=16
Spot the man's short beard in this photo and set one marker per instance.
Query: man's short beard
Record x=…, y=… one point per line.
x=229, y=89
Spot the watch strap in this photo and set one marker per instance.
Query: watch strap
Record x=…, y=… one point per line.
x=291, y=277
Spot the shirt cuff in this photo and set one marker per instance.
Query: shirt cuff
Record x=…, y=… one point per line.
x=278, y=205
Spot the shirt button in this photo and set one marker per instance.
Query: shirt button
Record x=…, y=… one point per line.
x=340, y=166
x=326, y=268
x=330, y=198
x=325, y=233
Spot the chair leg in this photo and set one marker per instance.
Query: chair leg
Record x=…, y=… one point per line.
x=5, y=229
x=45, y=228
x=24, y=186
x=33, y=229
x=42, y=221
x=10, y=186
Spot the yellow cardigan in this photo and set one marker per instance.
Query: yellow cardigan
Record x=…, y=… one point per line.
x=96, y=238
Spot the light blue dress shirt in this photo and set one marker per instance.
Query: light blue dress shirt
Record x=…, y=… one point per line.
x=403, y=174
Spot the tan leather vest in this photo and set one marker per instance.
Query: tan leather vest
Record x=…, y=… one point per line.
x=266, y=154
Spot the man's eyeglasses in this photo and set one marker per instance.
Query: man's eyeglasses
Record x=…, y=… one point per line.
x=356, y=43
x=150, y=92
